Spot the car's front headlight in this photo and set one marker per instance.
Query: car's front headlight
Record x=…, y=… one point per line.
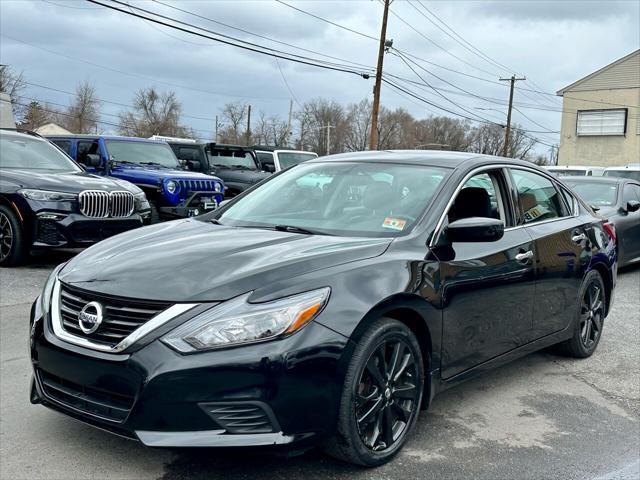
x=239, y=322
x=141, y=201
x=171, y=186
x=46, y=195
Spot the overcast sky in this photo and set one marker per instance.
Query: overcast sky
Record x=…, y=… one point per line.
x=553, y=43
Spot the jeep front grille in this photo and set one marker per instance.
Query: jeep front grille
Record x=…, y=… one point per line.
x=99, y=204
x=122, y=316
x=198, y=185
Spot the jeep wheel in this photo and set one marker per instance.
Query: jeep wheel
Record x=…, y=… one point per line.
x=154, y=216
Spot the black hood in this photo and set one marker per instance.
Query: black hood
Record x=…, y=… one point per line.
x=68, y=182
x=240, y=176
x=190, y=260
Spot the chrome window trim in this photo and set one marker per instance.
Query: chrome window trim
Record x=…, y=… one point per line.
x=155, y=322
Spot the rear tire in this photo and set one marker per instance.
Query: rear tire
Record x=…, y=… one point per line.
x=12, y=248
x=589, y=318
x=381, y=396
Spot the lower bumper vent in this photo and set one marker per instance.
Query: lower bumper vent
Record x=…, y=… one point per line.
x=242, y=417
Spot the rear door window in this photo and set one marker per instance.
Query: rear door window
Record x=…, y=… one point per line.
x=65, y=145
x=538, y=197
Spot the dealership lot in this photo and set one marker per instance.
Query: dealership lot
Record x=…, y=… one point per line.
x=540, y=417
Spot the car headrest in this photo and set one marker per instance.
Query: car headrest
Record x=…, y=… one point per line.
x=528, y=201
x=471, y=202
x=378, y=195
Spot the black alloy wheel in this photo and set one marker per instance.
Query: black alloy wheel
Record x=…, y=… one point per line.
x=381, y=396
x=591, y=312
x=591, y=315
x=387, y=394
x=11, y=248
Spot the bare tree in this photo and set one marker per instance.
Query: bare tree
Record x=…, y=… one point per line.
x=37, y=114
x=234, y=114
x=82, y=116
x=358, y=123
x=12, y=83
x=489, y=139
x=447, y=132
x=155, y=113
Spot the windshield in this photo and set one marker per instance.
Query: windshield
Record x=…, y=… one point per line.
x=598, y=194
x=633, y=174
x=288, y=159
x=27, y=153
x=347, y=199
x=233, y=159
x=142, y=152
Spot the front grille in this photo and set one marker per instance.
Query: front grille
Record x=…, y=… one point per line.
x=198, y=185
x=95, y=402
x=242, y=417
x=99, y=204
x=121, y=316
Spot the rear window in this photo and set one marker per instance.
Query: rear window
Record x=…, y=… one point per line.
x=597, y=194
x=633, y=174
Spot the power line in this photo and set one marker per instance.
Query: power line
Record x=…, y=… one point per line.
x=287, y=83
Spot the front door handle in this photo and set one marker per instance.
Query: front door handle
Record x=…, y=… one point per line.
x=524, y=257
x=578, y=238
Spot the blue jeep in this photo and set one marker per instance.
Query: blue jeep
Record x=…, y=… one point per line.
x=152, y=166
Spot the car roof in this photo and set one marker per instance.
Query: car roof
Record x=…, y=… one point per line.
x=21, y=133
x=108, y=137
x=583, y=179
x=434, y=158
x=623, y=168
x=573, y=167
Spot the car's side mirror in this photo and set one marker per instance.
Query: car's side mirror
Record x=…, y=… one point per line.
x=269, y=167
x=92, y=160
x=633, y=206
x=475, y=229
x=193, y=165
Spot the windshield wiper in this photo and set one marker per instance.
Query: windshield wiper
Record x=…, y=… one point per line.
x=294, y=229
x=153, y=163
x=215, y=221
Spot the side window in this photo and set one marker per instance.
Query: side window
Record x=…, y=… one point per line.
x=85, y=147
x=480, y=196
x=538, y=197
x=569, y=200
x=64, y=145
x=630, y=192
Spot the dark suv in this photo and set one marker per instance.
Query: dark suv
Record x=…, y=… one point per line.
x=237, y=166
x=47, y=200
x=152, y=166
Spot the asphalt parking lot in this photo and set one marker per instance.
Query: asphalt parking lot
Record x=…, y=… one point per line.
x=543, y=416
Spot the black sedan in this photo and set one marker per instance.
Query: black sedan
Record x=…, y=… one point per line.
x=328, y=304
x=618, y=200
x=49, y=201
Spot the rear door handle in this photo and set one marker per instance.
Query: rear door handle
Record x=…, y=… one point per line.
x=578, y=238
x=524, y=257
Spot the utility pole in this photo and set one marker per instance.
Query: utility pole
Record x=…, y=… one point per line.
x=216, y=130
x=328, y=137
x=289, y=122
x=248, y=124
x=513, y=81
x=373, y=138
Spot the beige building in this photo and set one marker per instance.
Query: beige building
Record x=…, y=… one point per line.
x=600, y=116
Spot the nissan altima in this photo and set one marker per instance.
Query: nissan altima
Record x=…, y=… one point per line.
x=326, y=305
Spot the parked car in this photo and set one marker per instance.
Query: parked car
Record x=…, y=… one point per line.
x=575, y=170
x=618, y=200
x=237, y=166
x=623, y=172
x=275, y=159
x=152, y=166
x=49, y=201
x=298, y=314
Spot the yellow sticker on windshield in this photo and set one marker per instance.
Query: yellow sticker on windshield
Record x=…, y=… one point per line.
x=394, y=223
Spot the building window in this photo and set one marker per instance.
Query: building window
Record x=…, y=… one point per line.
x=602, y=122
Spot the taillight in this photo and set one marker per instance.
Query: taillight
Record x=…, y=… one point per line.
x=611, y=231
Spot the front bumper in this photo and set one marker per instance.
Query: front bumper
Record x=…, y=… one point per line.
x=196, y=203
x=275, y=393
x=55, y=229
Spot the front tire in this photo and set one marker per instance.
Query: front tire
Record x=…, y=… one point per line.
x=154, y=215
x=12, y=248
x=590, y=318
x=381, y=396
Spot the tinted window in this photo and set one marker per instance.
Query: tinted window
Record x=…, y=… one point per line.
x=64, y=145
x=479, y=197
x=85, y=147
x=633, y=174
x=28, y=153
x=265, y=157
x=597, y=194
x=630, y=192
x=188, y=153
x=538, y=197
x=240, y=160
x=351, y=199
